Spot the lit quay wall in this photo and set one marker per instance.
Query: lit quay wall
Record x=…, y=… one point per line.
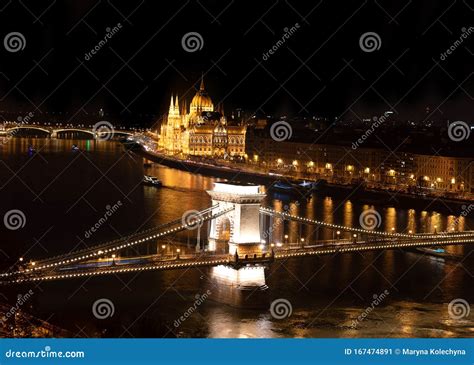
x=376, y=167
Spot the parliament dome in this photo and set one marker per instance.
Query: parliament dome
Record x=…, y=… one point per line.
x=201, y=101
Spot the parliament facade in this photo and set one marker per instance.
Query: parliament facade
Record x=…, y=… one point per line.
x=201, y=131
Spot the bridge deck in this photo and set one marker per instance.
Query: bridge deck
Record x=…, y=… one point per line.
x=207, y=259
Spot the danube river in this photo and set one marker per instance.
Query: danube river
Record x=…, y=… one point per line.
x=63, y=193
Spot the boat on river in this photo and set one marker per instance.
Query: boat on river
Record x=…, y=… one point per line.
x=152, y=181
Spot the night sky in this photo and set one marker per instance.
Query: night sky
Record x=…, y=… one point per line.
x=319, y=70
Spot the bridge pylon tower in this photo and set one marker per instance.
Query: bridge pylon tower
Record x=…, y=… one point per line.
x=238, y=233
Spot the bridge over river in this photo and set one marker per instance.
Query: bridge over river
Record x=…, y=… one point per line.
x=236, y=251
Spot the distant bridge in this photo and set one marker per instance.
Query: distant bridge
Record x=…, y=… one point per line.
x=96, y=131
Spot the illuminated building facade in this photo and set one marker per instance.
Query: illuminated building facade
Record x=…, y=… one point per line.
x=375, y=167
x=203, y=131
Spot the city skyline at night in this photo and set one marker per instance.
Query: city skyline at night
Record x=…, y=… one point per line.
x=206, y=169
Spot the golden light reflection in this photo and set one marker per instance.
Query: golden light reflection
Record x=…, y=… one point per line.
x=411, y=226
x=348, y=213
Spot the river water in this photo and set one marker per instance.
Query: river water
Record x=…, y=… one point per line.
x=63, y=193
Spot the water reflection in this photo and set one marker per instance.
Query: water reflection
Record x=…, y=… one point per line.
x=326, y=292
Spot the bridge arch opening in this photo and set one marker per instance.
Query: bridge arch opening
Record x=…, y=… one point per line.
x=28, y=131
x=224, y=228
x=73, y=133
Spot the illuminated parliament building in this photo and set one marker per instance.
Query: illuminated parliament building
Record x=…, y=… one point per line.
x=203, y=131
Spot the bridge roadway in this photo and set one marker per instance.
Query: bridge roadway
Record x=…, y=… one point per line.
x=206, y=259
x=52, y=130
x=126, y=242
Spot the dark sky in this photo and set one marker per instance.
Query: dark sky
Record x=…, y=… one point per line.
x=320, y=69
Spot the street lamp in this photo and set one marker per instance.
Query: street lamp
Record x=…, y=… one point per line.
x=286, y=238
x=113, y=259
x=302, y=241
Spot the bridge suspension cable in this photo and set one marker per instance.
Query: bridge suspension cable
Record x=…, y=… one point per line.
x=293, y=217
x=125, y=242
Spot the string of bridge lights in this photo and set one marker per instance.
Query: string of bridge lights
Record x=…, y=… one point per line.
x=123, y=239
x=207, y=214
x=368, y=248
x=194, y=263
x=101, y=252
x=360, y=230
x=181, y=265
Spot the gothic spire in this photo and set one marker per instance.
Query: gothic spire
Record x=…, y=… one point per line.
x=201, y=87
x=171, y=105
